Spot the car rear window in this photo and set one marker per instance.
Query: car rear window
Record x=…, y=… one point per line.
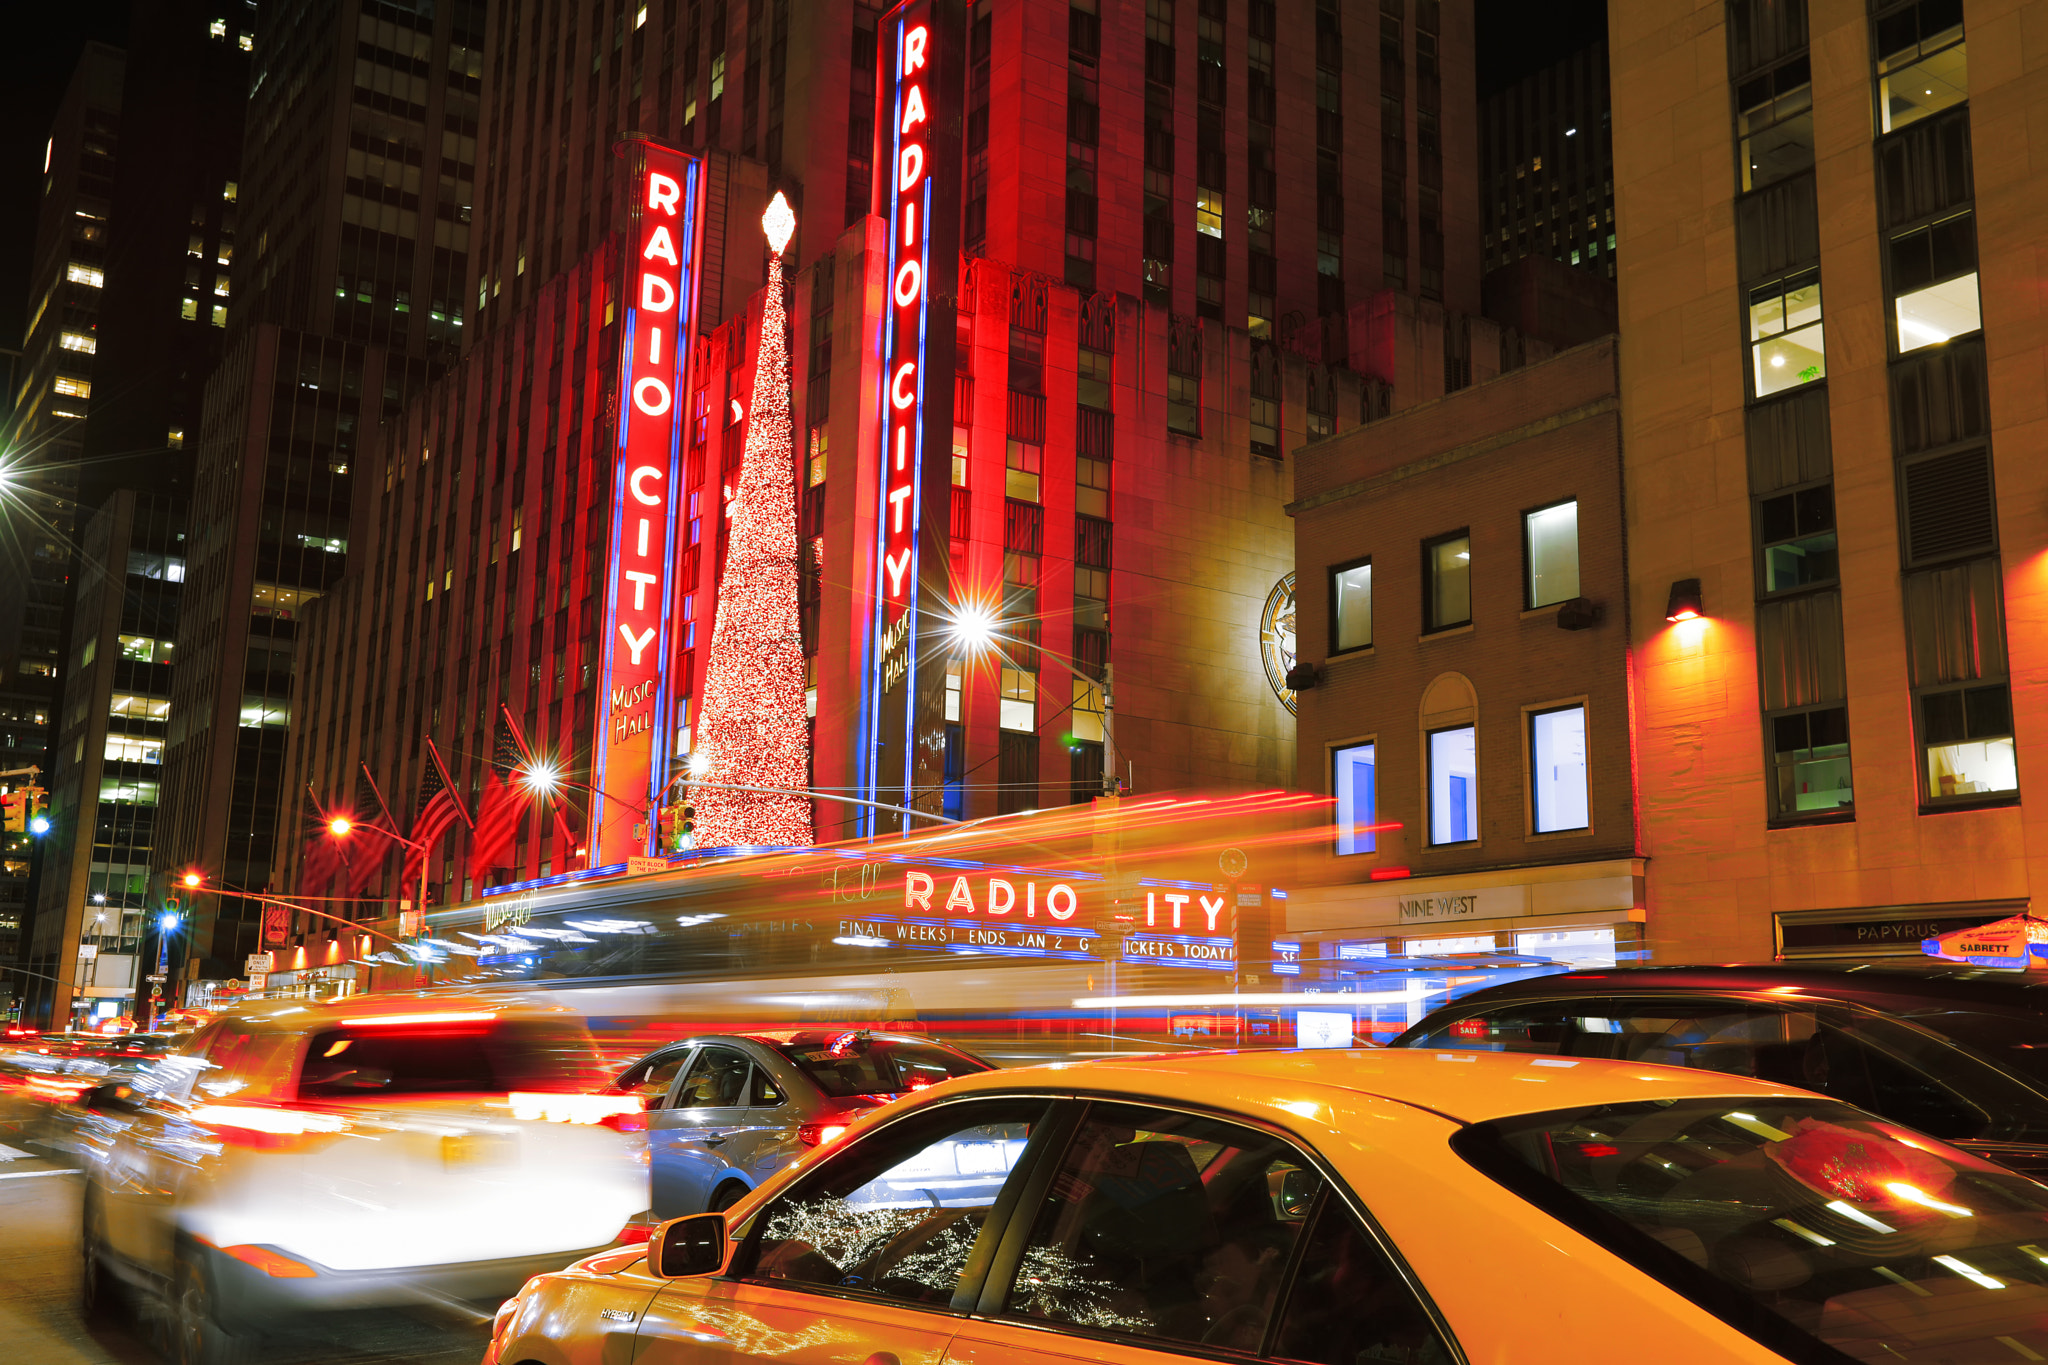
x=1812, y=1226
x=364, y=1063
x=878, y=1066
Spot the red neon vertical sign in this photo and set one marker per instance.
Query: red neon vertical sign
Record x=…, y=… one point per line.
x=659, y=283
x=903, y=378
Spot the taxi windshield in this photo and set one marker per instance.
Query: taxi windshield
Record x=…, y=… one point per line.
x=857, y=1065
x=1818, y=1230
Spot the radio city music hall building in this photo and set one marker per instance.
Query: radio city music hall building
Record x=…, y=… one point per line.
x=1156, y=248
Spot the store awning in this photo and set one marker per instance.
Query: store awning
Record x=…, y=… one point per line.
x=2017, y=941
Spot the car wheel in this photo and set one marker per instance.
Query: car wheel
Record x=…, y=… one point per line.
x=197, y=1338
x=725, y=1196
x=98, y=1294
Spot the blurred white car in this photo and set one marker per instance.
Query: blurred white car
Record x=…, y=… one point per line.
x=384, y=1150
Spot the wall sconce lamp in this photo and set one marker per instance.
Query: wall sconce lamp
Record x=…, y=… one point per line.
x=1685, y=604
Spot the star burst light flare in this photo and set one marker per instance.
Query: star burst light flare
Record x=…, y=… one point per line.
x=753, y=730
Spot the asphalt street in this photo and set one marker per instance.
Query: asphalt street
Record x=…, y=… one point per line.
x=40, y=1324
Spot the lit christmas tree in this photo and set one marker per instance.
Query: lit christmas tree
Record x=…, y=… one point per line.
x=752, y=729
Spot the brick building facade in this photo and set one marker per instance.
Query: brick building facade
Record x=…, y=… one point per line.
x=1462, y=627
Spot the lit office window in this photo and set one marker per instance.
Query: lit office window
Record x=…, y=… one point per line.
x=1352, y=773
x=1447, y=582
x=1550, y=539
x=1785, y=342
x=73, y=388
x=1453, y=786
x=1351, y=606
x=1923, y=64
x=1019, y=709
x=78, y=341
x=85, y=275
x=1557, y=768
x=1934, y=283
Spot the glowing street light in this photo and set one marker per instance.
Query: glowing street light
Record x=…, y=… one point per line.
x=341, y=825
x=541, y=778
x=167, y=921
x=974, y=627
x=192, y=880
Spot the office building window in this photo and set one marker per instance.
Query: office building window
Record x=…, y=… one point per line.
x=1803, y=683
x=1774, y=123
x=1550, y=543
x=1093, y=373
x=1967, y=736
x=1955, y=635
x=1023, y=462
x=1351, y=606
x=1796, y=536
x=1352, y=770
x=1934, y=282
x=1785, y=343
x=1922, y=64
x=1453, y=786
x=1019, y=710
x=1810, y=761
x=1557, y=769
x=1447, y=582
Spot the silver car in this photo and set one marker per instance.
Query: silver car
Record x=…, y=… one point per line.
x=726, y=1111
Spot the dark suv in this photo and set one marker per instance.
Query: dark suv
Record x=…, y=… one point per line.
x=1958, y=1052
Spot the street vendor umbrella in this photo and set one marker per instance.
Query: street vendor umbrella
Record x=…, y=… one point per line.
x=2016, y=941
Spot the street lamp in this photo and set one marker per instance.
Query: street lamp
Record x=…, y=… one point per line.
x=973, y=629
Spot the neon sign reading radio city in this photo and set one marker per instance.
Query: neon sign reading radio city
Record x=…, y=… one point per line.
x=660, y=298
x=999, y=896
x=910, y=264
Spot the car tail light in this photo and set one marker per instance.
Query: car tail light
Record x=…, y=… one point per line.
x=56, y=1091
x=244, y=1125
x=819, y=1134
x=271, y=1263
x=635, y=1122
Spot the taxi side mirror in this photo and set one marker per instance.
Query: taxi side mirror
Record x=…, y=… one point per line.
x=111, y=1099
x=1297, y=1191
x=689, y=1246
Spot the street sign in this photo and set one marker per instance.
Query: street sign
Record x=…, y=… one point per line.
x=257, y=963
x=157, y=977
x=637, y=867
x=257, y=980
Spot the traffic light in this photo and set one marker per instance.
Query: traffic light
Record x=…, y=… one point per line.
x=15, y=807
x=689, y=821
x=38, y=817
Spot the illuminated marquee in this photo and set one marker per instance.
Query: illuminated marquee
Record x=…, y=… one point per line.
x=903, y=376
x=659, y=291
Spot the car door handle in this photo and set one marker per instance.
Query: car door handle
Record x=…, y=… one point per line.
x=715, y=1140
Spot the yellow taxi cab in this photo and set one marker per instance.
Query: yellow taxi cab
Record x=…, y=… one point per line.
x=1332, y=1208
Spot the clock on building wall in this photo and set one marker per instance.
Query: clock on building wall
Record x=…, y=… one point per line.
x=1276, y=638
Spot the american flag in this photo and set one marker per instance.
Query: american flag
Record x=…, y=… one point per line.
x=501, y=808
x=435, y=810
x=320, y=859
x=367, y=852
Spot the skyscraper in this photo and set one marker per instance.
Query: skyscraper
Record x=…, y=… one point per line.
x=354, y=194
x=55, y=386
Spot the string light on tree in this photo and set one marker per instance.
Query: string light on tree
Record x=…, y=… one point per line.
x=753, y=729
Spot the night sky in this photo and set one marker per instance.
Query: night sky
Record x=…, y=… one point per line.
x=1516, y=37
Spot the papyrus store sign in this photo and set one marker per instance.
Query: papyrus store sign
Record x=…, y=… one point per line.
x=918, y=159
x=658, y=291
